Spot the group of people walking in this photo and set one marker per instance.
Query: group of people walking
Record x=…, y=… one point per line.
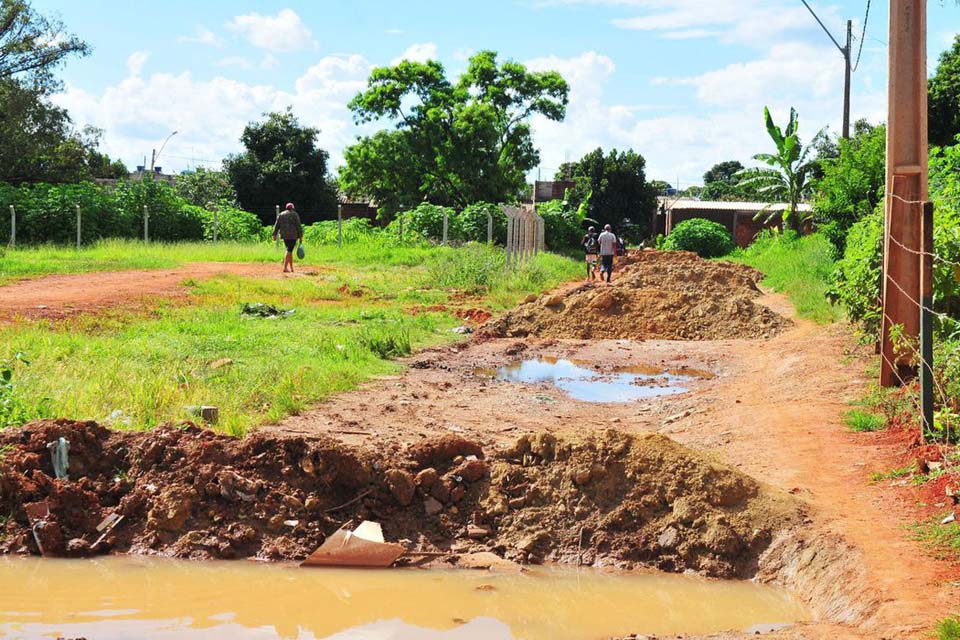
x=604, y=246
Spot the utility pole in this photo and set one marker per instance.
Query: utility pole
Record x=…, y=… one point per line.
x=845, y=52
x=906, y=188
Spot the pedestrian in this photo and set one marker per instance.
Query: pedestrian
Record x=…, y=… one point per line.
x=289, y=229
x=592, y=249
x=608, y=248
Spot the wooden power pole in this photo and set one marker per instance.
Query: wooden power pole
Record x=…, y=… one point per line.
x=906, y=185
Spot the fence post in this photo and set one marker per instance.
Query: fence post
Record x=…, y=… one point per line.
x=444, y=228
x=146, y=224
x=339, y=226
x=926, y=320
x=509, y=215
x=489, y=228
x=278, y=217
x=13, y=226
x=400, y=221
x=78, y=228
x=216, y=224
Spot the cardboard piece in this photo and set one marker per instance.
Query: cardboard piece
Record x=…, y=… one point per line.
x=362, y=547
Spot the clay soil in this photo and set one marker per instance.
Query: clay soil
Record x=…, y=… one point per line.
x=62, y=296
x=750, y=473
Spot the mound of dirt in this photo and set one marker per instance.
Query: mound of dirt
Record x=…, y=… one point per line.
x=613, y=499
x=668, y=295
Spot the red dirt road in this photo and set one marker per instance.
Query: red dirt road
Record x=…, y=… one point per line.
x=62, y=296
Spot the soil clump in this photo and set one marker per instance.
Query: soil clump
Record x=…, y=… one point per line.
x=667, y=295
x=611, y=499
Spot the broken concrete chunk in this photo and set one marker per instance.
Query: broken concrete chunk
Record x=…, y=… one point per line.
x=669, y=539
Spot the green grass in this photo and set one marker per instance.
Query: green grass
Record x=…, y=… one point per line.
x=861, y=421
x=949, y=629
x=893, y=474
x=149, y=366
x=797, y=267
x=943, y=539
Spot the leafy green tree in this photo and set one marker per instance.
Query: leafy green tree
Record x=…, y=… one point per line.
x=454, y=143
x=788, y=177
x=282, y=163
x=852, y=182
x=615, y=190
x=205, y=188
x=943, y=101
x=724, y=182
x=723, y=172
x=32, y=45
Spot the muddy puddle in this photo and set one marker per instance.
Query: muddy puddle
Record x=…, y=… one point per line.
x=584, y=382
x=123, y=597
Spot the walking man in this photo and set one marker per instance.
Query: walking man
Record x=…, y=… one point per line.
x=608, y=248
x=288, y=227
x=592, y=248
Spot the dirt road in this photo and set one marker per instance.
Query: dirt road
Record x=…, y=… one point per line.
x=774, y=410
x=56, y=297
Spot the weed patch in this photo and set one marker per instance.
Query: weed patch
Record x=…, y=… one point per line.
x=942, y=539
x=949, y=629
x=862, y=421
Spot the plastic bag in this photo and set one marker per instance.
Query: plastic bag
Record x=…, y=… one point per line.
x=300, y=252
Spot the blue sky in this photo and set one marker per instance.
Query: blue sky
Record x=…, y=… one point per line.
x=682, y=82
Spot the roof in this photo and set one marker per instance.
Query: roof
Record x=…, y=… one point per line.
x=690, y=204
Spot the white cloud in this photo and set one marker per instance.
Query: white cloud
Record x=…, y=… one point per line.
x=394, y=32
x=418, y=52
x=203, y=36
x=282, y=32
x=137, y=113
x=136, y=61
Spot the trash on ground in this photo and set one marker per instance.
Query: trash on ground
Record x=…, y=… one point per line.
x=362, y=547
x=264, y=310
x=59, y=450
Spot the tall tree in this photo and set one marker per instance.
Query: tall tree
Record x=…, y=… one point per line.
x=943, y=102
x=205, y=188
x=787, y=179
x=723, y=172
x=454, y=143
x=282, y=163
x=615, y=188
x=32, y=45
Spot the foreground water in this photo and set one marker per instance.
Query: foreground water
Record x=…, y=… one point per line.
x=581, y=381
x=133, y=597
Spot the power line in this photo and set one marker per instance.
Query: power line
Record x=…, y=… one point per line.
x=823, y=26
x=863, y=37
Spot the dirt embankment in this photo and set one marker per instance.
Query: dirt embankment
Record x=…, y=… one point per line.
x=659, y=295
x=609, y=499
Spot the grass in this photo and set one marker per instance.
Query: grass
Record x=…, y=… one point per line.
x=949, y=629
x=861, y=421
x=894, y=474
x=798, y=267
x=943, y=539
x=144, y=368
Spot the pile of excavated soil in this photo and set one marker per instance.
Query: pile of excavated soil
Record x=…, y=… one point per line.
x=612, y=499
x=667, y=295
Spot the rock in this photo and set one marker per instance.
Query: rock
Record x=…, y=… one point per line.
x=530, y=298
x=77, y=547
x=432, y=506
x=462, y=330
x=669, y=538
x=554, y=301
x=581, y=476
x=293, y=503
x=312, y=503
x=427, y=478
x=275, y=524
x=517, y=503
x=171, y=509
x=477, y=532
x=441, y=490
x=528, y=543
x=457, y=493
x=402, y=486
x=603, y=301
x=471, y=470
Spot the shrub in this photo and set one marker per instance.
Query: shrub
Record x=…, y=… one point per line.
x=386, y=342
x=354, y=230
x=427, y=221
x=705, y=238
x=856, y=279
x=472, y=268
x=861, y=421
x=949, y=629
x=472, y=223
x=232, y=224
x=562, y=227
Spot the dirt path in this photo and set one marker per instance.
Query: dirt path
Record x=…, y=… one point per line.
x=774, y=410
x=61, y=296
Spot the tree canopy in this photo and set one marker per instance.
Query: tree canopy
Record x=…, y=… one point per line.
x=282, y=163
x=943, y=101
x=32, y=45
x=452, y=143
x=206, y=188
x=617, y=188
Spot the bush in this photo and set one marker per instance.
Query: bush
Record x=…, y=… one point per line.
x=562, y=227
x=232, y=224
x=472, y=268
x=354, y=230
x=705, y=238
x=472, y=223
x=427, y=221
x=856, y=279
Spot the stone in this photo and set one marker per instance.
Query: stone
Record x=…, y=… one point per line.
x=457, y=493
x=427, y=478
x=669, y=539
x=471, y=470
x=402, y=486
x=530, y=298
x=432, y=506
x=293, y=503
x=171, y=509
x=312, y=503
x=441, y=490
x=477, y=532
x=555, y=300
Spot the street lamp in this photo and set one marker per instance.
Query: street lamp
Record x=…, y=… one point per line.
x=156, y=154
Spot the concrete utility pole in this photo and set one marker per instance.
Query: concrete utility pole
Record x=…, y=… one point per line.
x=845, y=52
x=906, y=185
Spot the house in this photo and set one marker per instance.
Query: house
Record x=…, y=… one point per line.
x=737, y=217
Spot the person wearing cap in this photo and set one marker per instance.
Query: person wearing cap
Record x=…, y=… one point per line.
x=608, y=248
x=591, y=247
x=290, y=230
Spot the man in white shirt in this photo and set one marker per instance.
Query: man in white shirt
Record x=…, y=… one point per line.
x=608, y=248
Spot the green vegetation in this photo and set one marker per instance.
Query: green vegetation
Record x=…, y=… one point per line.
x=724, y=181
x=949, y=629
x=943, y=539
x=705, y=238
x=14, y=408
x=362, y=307
x=798, y=266
x=893, y=474
x=943, y=103
x=861, y=421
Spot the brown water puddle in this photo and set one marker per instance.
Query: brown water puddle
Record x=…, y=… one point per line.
x=587, y=382
x=124, y=597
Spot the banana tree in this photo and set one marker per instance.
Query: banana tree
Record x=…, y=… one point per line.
x=788, y=177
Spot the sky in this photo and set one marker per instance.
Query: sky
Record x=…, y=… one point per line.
x=682, y=82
